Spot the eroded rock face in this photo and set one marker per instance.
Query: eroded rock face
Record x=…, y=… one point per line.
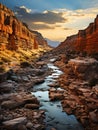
x=85, y=41
x=15, y=34
x=80, y=84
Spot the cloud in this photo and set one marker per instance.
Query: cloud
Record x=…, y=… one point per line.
x=46, y=16
x=38, y=26
x=59, y=23
x=67, y=28
x=26, y=9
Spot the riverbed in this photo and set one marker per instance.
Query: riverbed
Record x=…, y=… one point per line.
x=55, y=117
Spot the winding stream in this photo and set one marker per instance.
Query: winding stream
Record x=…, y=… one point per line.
x=55, y=117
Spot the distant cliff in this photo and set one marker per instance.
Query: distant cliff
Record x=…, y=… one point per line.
x=15, y=34
x=85, y=41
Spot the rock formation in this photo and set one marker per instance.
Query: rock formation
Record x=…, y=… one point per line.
x=15, y=34
x=85, y=41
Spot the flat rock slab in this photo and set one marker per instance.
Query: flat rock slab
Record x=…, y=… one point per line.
x=13, y=124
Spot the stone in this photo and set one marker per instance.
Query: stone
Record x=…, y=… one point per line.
x=9, y=104
x=32, y=100
x=32, y=106
x=56, y=94
x=29, y=125
x=15, y=123
x=95, y=88
x=53, y=129
x=86, y=68
x=3, y=77
x=39, y=81
x=93, y=116
x=21, y=127
x=6, y=88
x=38, y=126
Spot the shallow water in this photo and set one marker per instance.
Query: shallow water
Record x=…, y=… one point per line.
x=55, y=117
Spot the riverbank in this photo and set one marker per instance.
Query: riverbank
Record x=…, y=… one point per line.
x=19, y=109
x=80, y=82
x=26, y=110
x=22, y=110
x=55, y=117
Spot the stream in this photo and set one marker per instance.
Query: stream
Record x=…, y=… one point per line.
x=55, y=117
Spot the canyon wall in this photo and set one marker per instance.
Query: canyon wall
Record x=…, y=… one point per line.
x=15, y=34
x=85, y=41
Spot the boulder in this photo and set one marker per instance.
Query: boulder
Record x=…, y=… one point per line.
x=56, y=94
x=85, y=68
x=10, y=104
x=14, y=124
x=6, y=88
x=32, y=106
x=93, y=116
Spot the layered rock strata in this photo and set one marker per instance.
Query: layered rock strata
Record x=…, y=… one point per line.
x=15, y=34
x=85, y=41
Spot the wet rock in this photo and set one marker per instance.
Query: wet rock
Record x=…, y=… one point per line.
x=56, y=94
x=93, y=116
x=38, y=126
x=53, y=129
x=14, y=123
x=9, y=104
x=15, y=100
x=21, y=127
x=32, y=100
x=32, y=106
x=55, y=85
x=3, y=77
x=25, y=78
x=29, y=125
x=6, y=88
x=39, y=81
x=95, y=88
x=15, y=78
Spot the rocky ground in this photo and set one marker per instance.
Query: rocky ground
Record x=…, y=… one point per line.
x=19, y=109
x=79, y=93
x=80, y=89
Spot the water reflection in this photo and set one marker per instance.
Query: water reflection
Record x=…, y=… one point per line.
x=55, y=118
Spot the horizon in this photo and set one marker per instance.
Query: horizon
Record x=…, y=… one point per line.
x=54, y=21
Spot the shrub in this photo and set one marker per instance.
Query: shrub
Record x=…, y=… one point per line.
x=93, y=82
x=25, y=64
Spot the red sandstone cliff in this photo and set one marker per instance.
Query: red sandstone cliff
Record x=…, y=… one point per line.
x=85, y=41
x=15, y=34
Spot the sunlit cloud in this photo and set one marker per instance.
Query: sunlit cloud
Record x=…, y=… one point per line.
x=59, y=23
x=27, y=10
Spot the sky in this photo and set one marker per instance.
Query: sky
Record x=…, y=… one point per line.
x=55, y=19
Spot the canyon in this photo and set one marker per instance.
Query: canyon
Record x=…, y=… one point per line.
x=30, y=80
x=15, y=34
x=85, y=41
x=78, y=59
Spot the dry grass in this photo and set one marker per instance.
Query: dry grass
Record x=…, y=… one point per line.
x=10, y=58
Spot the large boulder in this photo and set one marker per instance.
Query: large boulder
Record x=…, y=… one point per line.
x=14, y=124
x=18, y=100
x=85, y=68
x=6, y=88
